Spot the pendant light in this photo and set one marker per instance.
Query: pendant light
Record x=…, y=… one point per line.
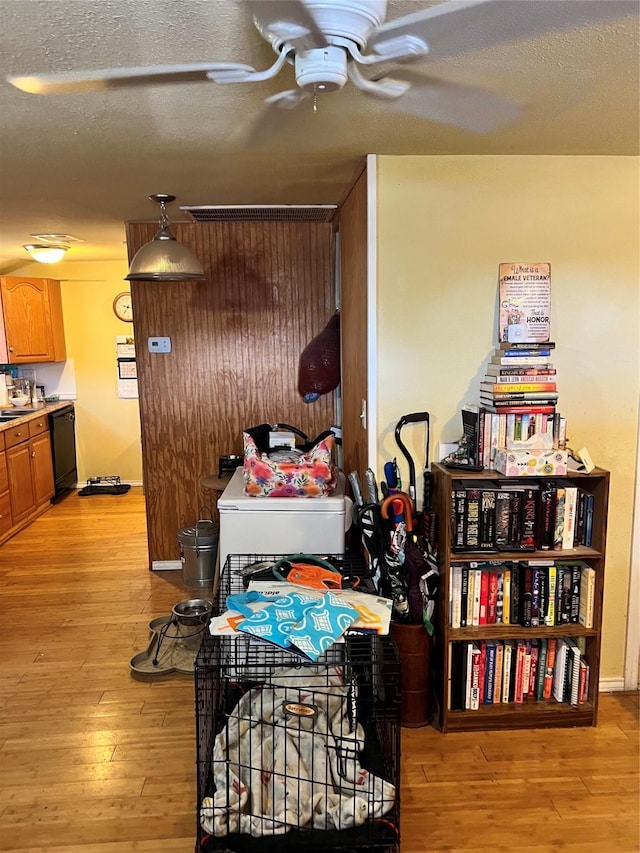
x=164, y=259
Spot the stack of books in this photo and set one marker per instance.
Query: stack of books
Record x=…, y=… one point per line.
x=521, y=379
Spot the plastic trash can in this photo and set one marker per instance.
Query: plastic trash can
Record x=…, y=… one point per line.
x=198, y=552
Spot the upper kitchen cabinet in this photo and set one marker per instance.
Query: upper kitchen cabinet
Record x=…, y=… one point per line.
x=33, y=326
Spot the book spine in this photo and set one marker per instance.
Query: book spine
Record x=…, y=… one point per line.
x=559, y=672
x=487, y=519
x=464, y=593
x=529, y=519
x=518, y=387
x=587, y=596
x=574, y=697
x=454, y=603
x=549, y=668
x=569, y=517
x=504, y=371
x=542, y=668
x=490, y=674
x=547, y=516
x=526, y=671
x=469, y=676
x=483, y=670
x=519, y=683
x=470, y=593
x=484, y=598
x=500, y=599
x=525, y=596
x=563, y=595
x=559, y=519
x=588, y=528
x=533, y=670
x=458, y=518
x=550, y=618
x=497, y=681
x=472, y=528
x=514, y=615
x=492, y=598
x=574, y=616
x=515, y=517
x=506, y=597
x=535, y=597
x=475, y=680
x=582, y=690
x=506, y=671
x=522, y=360
x=502, y=516
x=477, y=591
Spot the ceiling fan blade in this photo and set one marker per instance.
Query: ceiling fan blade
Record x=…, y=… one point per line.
x=111, y=78
x=287, y=20
x=460, y=26
x=468, y=107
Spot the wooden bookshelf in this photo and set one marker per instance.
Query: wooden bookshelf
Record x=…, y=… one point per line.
x=531, y=713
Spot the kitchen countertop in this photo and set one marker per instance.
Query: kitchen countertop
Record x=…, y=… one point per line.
x=34, y=412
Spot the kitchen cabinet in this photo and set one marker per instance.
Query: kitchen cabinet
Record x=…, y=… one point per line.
x=6, y=521
x=33, y=326
x=29, y=470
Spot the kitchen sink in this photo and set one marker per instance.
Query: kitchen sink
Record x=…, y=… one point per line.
x=9, y=416
x=16, y=412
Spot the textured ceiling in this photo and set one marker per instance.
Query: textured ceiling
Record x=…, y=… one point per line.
x=83, y=164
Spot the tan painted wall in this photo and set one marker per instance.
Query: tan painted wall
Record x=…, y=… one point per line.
x=444, y=225
x=107, y=427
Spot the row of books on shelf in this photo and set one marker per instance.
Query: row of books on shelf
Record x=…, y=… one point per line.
x=522, y=593
x=495, y=672
x=488, y=430
x=549, y=515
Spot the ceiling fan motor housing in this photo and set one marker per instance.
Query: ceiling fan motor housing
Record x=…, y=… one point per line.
x=349, y=19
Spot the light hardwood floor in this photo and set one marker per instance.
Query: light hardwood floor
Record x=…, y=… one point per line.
x=95, y=761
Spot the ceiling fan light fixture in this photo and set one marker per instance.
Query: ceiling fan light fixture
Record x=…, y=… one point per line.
x=46, y=254
x=164, y=259
x=322, y=69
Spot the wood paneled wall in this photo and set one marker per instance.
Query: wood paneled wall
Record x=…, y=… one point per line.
x=236, y=341
x=352, y=223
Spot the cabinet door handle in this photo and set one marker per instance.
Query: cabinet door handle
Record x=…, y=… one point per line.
x=33, y=453
x=10, y=349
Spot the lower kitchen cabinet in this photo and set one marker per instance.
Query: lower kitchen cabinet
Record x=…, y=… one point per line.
x=26, y=486
x=6, y=520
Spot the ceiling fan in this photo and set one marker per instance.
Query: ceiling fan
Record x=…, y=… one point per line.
x=329, y=42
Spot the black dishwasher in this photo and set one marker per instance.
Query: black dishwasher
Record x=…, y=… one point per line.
x=63, y=447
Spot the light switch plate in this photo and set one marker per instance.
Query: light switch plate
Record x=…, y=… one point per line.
x=159, y=344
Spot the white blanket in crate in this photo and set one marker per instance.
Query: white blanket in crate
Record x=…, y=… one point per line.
x=274, y=770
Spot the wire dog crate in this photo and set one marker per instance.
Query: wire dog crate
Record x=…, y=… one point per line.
x=292, y=752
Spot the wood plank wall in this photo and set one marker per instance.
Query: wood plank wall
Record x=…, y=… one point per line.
x=236, y=341
x=352, y=223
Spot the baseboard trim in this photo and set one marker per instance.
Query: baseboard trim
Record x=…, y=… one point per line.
x=611, y=685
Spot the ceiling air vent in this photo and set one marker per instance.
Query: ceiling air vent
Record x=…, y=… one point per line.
x=260, y=212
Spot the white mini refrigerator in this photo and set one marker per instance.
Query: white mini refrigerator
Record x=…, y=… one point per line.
x=260, y=525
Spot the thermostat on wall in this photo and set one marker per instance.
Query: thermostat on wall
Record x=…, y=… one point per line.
x=159, y=344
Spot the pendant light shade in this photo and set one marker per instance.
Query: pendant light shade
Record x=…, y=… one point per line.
x=164, y=259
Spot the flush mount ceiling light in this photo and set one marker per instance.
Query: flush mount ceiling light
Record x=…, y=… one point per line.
x=164, y=259
x=46, y=254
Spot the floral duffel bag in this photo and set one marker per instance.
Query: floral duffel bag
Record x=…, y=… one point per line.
x=308, y=472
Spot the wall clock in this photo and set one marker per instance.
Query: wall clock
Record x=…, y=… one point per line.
x=122, y=307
